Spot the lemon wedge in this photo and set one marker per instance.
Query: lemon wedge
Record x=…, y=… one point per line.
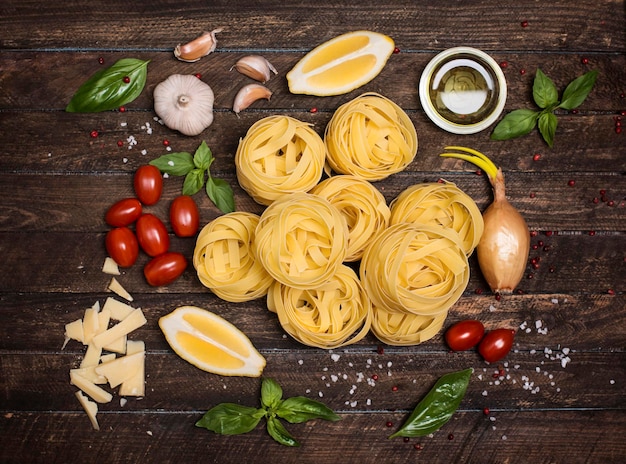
x=211, y=343
x=341, y=65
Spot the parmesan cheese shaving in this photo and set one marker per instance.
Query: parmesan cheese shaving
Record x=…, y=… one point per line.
x=279, y=155
x=224, y=259
x=370, y=137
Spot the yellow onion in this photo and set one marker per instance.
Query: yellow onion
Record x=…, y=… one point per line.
x=503, y=248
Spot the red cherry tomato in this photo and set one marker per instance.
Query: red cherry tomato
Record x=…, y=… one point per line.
x=122, y=246
x=496, y=344
x=184, y=216
x=123, y=213
x=465, y=335
x=165, y=268
x=148, y=184
x=152, y=235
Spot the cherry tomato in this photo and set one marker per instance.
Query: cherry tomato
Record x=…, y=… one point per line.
x=165, y=268
x=122, y=246
x=184, y=216
x=496, y=344
x=148, y=184
x=123, y=213
x=152, y=235
x=465, y=335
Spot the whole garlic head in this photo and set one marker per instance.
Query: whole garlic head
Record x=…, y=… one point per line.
x=184, y=103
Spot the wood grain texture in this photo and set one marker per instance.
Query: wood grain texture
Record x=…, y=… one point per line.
x=557, y=397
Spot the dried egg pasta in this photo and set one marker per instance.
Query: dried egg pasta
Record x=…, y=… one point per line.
x=413, y=268
x=335, y=314
x=441, y=204
x=403, y=328
x=370, y=137
x=301, y=240
x=224, y=259
x=362, y=205
x=279, y=155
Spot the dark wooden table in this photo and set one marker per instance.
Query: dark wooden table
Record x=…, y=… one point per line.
x=561, y=398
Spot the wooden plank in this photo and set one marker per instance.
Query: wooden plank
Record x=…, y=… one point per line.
x=167, y=438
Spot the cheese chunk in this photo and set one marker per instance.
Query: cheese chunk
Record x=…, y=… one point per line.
x=74, y=331
x=92, y=356
x=121, y=369
x=91, y=323
x=133, y=321
x=117, y=346
x=116, y=287
x=94, y=391
x=110, y=266
x=90, y=408
x=135, y=385
x=90, y=374
x=119, y=311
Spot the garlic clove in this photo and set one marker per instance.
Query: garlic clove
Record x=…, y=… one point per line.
x=248, y=95
x=198, y=47
x=255, y=67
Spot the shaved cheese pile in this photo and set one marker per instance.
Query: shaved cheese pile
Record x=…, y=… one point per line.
x=334, y=314
x=279, y=155
x=96, y=331
x=361, y=204
x=442, y=204
x=301, y=240
x=413, y=269
x=224, y=259
x=370, y=137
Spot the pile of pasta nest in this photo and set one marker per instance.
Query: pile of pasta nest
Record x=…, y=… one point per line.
x=301, y=252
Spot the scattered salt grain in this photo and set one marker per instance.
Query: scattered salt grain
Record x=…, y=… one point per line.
x=123, y=402
x=335, y=357
x=555, y=301
x=565, y=351
x=565, y=361
x=168, y=149
x=612, y=382
x=300, y=361
x=492, y=308
x=353, y=404
x=485, y=393
x=368, y=402
x=149, y=432
x=123, y=124
x=321, y=394
x=334, y=378
x=144, y=152
x=504, y=437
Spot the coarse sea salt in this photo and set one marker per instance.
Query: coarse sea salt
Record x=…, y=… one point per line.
x=335, y=357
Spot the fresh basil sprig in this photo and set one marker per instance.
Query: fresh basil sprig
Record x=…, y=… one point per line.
x=437, y=407
x=195, y=168
x=110, y=88
x=234, y=419
x=546, y=96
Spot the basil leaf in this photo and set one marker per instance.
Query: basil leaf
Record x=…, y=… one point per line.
x=193, y=182
x=271, y=394
x=231, y=419
x=515, y=124
x=547, y=127
x=577, y=91
x=299, y=409
x=545, y=93
x=203, y=157
x=221, y=194
x=174, y=164
x=437, y=406
x=279, y=433
x=106, y=89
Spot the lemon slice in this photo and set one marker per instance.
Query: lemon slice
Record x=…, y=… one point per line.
x=341, y=64
x=211, y=343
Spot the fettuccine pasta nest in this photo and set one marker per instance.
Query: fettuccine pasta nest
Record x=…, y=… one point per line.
x=335, y=314
x=279, y=155
x=301, y=240
x=361, y=204
x=370, y=137
x=402, y=328
x=224, y=258
x=442, y=204
x=414, y=268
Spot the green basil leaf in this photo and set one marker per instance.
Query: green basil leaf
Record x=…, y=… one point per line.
x=515, y=124
x=271, y=393
x=279, y=433
x=231, y=419
x=203, y=156
x=221, y=194
x=545, y=93
x=547, y=127
x=577, y=91
x=299, y=409
x=193, y=182
x=106, y=89
x=438, y=405
x=174, y=164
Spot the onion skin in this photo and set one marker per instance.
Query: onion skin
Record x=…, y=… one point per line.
x=504, y=246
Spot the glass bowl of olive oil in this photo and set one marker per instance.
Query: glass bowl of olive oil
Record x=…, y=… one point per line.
x=463, y=90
